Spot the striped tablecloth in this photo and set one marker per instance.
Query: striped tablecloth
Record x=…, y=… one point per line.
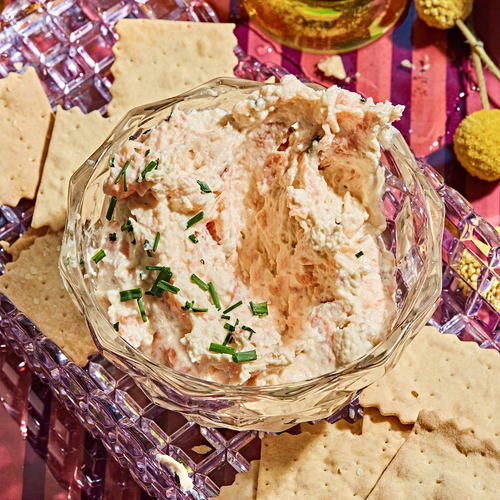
x=44, y=452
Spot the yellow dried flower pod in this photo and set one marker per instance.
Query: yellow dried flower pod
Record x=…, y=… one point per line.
x=477, y=145
x=443, y=14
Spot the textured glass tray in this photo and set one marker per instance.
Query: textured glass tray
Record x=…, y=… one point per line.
x=69, y=43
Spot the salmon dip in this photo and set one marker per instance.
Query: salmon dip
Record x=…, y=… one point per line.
x=244, y=246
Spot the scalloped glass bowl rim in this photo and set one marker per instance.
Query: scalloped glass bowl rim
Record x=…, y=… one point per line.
x=120, y=347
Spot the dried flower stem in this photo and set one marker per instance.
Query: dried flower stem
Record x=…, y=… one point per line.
x=478, y=46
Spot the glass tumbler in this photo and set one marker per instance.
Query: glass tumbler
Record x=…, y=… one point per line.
x=325, y=26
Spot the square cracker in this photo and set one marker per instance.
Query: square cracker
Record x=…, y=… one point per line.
x=34, y=285
x=323, y=466
x=160, y=59
x=74, y=138
x=439, y=372
x=443, y=461
x=338, y=427
x=376, y=423
x=244, y=486
x=25, y=241
x=25, y=125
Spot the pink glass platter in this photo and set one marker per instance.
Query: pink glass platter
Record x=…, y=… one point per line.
x=69, y=43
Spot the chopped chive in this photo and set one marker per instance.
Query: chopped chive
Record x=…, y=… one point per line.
x=150, y=167
x=133, y=242
x=204, y=187
x=111, y=208
x=221, y=349
x=157, y=241
x=243, y=357
x=213, y=294
x=248, y=329
x=231, y=308
x=359, y=254
x=112, y=162
x=148, y=246
x=199, y=282
x=99, y=256
x=164, y=275
x=259, y=309
x=131, y=138
x=112, y=236
x=141, y=310
x=362, y=100
x=125, y=186
x=228, y=339
x=188, y=305
x=135, y=293
x=126, y=225
x=154, y=268
x=229, y=327
x=82, y=262
x=199, y=309
x=122, y=172
x=193, y=238
x=202, y=261
x=67, y=261
x=194, y=220
x=116, y=326
x=164, y=285
x=147, y=152
x=236, y=322
x=225, y=316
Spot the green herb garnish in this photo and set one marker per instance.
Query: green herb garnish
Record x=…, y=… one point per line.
x=194, y=220
x=116, y=326
x=127, y=225
x=99, y=256
x=148, y=246
x=111, y=208
x=228, y=339
x=221, y=349
x=164, y=275
x=204, y=187
x=135, y=293
x=224, y=316
x=202, y=261
x=188, y=305
x=213, y=294
x=150, y=167
x=243, y=357
x=359, y=254
x=141, y=310
x=82, y=262
x=259, y=309
x=231, y=308
x=199, y=282
x=154, y=268
x=122, y=172
x=199, y=309
x=147, y=152
x=131, y=138
x=193, y=238
x=248, y=329
x=362, y=100
x=229, y=327
x=112, y=236
x=157, y=241
x=164, y=285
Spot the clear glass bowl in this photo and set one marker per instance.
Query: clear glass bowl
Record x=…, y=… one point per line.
x=415, y=217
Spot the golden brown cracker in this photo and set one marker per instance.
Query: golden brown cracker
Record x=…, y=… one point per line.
x=160, y=59
x=323, y=466
x=25, y=126
x=244, y=486
x=444, y=461
x=376, y=423
x=74, y=138
x=34, y=285
x=338, y=427
x=440, y=372
x=25, y=241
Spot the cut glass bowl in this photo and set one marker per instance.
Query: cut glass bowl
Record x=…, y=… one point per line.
x=415, y=217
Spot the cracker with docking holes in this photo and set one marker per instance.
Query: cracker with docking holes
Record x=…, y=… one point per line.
x=74, y=138
x=160, y=59
x=323, y=466
x=338, y=427
x=442, y=460
x=440, y=372
x=34, y=285
x=25, y=126
x=244, y=486
x=375, y=423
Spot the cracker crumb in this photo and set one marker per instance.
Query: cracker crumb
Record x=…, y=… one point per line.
x=202, y=449
x=333, y=66
x=18, y=65
x=407, y=64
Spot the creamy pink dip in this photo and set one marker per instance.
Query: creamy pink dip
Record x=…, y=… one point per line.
x=293, y=219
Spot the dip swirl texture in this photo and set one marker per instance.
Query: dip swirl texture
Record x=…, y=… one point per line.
x=293, y=219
